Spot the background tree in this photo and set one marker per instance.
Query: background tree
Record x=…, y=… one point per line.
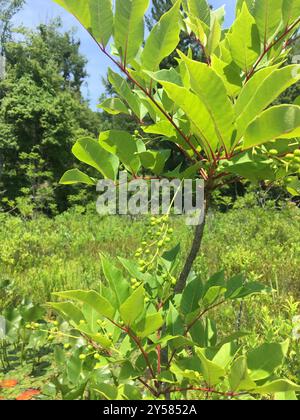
x=42, y=111
x=8, y=8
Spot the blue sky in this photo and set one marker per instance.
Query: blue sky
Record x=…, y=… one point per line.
x=43, y=11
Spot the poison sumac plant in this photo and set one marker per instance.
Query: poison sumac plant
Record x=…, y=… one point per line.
x=219, y=116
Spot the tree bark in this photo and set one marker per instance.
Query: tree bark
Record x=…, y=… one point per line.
x=196, y=245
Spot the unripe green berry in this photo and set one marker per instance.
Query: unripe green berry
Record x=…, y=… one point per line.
x=67, y=346
x=273, y=152
x=97, y=356
x=297, y=152
x=82, y=356
x=296, y=159
x=146, y=300
x=167, y=240
x=160, y=244
x=289, y=157
x=173, y=281
x=170, y=231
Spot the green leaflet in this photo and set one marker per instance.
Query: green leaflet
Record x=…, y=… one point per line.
x=268, y=15
x=95, y=15
x=133, y=307
x=114, y=106
x=263, y=361
x=250, y=5
x=252, y=167
x=281, y=385
x=196, y=112
x=290, y=11
x=239, y=377
x=281, y=121
x=163, y=128
x=122, y=88
x=230, y=74
x=101, y=305
x=68, y=311
x=212, y=373
x=74, y=176
x=162, y=40
x=214, y=37
x=80, y=9
x=149, y=325
x=200, y=9
x=124, y=146
x=116, y=281
x=210, y=89
x=101, y=20
x=190, y=300
x=243, y=40
x=155, y=161
x=261, y=90
x=129, y=27
x=174, y=324
x=90, y=152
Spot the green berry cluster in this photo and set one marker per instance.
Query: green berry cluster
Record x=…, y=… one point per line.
x=157, y=237
x=32, y=326
x=293, y=161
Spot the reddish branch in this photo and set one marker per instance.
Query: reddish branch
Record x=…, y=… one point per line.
x=137, y=341
x=269, y=47
x=142, y=350
x=190, y=326
x=149, y=95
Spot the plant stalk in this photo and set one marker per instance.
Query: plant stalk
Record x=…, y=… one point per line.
x=196, y=245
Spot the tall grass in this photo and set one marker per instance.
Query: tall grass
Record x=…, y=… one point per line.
x=44, y=255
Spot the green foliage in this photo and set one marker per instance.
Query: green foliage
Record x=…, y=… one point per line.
x=234, y=90
x=145, y=320
x=8, y=8
x=134, y=293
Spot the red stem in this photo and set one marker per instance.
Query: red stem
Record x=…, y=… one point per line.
x=269, y=47
x=148, y=94
x=144, y=353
